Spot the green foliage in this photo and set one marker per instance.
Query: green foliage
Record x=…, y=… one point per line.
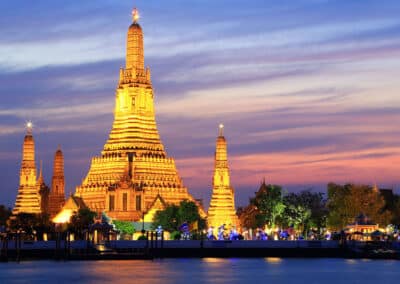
x=304, y=210
x=297, y=212
x=269, y=204
x=173, y=216
x=188, y=212
x=31, y=224
x=125, y=227
x=175, y=235
x=82, y=220
x=167, y=218
x=346, y=202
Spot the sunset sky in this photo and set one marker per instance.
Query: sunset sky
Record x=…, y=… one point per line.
x=308, y=90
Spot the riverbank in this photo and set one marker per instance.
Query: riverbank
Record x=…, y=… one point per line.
x=117, y=250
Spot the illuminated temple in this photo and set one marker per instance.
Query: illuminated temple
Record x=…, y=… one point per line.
x=133, y=176
x=56, y=197
x=34, y=196
x=28, y=198
x=222, y=204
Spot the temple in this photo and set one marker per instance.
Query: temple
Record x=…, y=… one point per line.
x=28, y=198
x=44, y=192
x=133, y=170
x=222, y=205
x=56, y=197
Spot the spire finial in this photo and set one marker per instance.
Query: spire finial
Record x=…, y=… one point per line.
x=41, y=180
x=29, y=127
x=221, y=129
x=135, y=15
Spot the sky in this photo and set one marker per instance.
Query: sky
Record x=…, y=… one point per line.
x=308, y=90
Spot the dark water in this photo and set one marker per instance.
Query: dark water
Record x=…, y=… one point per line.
x=207, y=270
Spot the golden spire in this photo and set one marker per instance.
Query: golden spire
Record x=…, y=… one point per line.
x=29, y=127
x=28, y=149
x=134, y=46
x=28, y=198
x=222, y=204
x=41, y=179
x=221, y=147
x=221, y=130
x=135, y=15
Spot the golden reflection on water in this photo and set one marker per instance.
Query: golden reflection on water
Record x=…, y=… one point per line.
x=124, y=270
x=273, y=260
x=214, y=260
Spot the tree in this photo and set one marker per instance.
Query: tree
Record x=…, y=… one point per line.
x=269, y=205
x=297, y=211
x=125, y=227
x=348, y=201
x=305, y=210
x=339, y=206
x=173, y=216
x=188, y=212
x=5, y=213
x=34, y=225
x=319, y=212
x=396, y=211
x=81, y=221
x=167, y=218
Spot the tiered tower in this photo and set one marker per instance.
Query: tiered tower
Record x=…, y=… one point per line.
x=44, y=192
x=28, y=198
x=222, y=204
x=57, y=195
x=133, y=169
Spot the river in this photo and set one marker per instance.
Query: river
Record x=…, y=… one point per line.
x=206, y=270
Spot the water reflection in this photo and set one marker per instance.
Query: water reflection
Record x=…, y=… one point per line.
x=351, y=261
x=215, y=260
x=273, y=260
x=207, y=270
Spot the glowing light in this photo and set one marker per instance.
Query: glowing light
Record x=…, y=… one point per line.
x=63, y=217
x=29, y=125
x=135, y=15
x=221, y=130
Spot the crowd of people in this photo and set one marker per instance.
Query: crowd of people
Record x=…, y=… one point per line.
x=224, y=232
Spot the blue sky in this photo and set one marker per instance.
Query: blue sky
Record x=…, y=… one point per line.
x=308, y=90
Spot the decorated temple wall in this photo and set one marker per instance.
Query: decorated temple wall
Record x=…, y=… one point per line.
x=27, y=176
x=134, y=145
x=106, y=170
x=28, y=200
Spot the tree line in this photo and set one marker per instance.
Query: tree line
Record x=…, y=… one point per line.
x=271, y=207
x=307, y=210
